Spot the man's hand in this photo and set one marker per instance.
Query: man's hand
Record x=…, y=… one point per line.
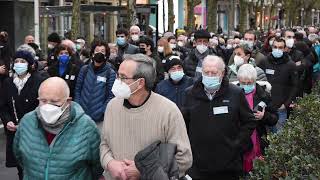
x=116, y=169
x=2, y=69
x=131, y=170
x=11, y=126
x=259, y=114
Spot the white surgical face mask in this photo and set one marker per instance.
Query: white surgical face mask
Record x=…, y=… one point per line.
x=51, y=113
x=238, y=60
x=160, y=49
x=135, y=37
x=270, y=42
x=50, y=46
x=202, y=48
x=172, y=46
x=289, y=42
x=122, y=90
x=180, y=43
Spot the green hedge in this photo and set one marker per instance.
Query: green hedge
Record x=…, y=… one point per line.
x=294, y=153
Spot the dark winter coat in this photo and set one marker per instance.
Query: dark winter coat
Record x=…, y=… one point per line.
x=126, y=49
x=93, y=90
x=218, y=128
x=191, y=62
x=159, y=67
x=174, y=92
x=70, y=75
x=25, y=102
x=282, y=74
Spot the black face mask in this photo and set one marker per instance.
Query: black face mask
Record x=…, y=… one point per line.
x=143, y=50
x=99, y=57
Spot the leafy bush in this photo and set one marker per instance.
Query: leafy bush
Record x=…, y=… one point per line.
x=294, y=153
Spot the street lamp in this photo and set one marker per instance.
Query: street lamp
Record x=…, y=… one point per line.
x=312, y=16
x=318, y=17
x=302, y=12
x=279, y=5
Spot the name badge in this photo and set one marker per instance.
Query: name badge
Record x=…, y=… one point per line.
x=101, y=79
x=262, y=104
x=72, y=77
x=164, y=61
x=199, y=69
x=270, y=71
x=67, y=76
x=220, y=110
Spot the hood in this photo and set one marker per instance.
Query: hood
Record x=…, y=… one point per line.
x=267, y=86
x=76, y=111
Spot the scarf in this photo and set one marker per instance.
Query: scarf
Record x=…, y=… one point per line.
x=20, y=82
x=56, y=127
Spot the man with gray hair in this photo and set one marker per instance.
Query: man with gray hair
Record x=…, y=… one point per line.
x=136, y=118
x=134, y=35
x=220, y=123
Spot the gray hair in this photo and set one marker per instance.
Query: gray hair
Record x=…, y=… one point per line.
x=145, y=68
x=217, y=60
x=134, y=27
x=247, y=71
x=26, y=47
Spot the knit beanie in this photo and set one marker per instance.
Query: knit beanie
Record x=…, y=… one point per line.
x=172, y=61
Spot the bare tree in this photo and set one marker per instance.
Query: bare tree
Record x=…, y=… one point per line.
x=131, y=8
x=75, y=26
x=243, y=15
x=170, y=16
x=212, y=15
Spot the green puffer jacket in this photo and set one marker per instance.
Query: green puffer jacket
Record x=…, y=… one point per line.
x=72, y=155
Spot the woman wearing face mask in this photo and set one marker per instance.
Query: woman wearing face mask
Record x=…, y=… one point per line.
x=94, y=83
x=65, y=67
x=243, y=56
x=259, y=99
x=164, y=50
x=18, y=98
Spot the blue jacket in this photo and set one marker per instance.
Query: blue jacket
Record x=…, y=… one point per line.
x=72, y=155
x=93, y=90
x=174, y=92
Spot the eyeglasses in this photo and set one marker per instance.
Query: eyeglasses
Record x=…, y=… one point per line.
x=55, y=103
x=122, y=78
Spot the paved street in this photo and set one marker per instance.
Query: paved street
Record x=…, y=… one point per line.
x=5, y=173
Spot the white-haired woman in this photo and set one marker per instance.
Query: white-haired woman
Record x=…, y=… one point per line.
x=259, y=101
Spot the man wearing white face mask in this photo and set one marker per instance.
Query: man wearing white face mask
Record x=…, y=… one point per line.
x=136, y=118
x=17, y=98
x=297, y=57
x=134, y=35
x=174, y=87
x=220, y=122
x=64, y=138
x=193, y=62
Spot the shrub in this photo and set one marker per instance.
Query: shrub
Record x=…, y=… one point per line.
x=294, y=153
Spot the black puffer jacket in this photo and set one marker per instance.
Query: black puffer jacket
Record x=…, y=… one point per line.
x=157, y=162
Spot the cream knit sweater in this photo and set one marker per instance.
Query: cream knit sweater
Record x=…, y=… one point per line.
x=127, y=131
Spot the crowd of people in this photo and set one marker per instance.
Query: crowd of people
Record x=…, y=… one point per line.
x=189, y=105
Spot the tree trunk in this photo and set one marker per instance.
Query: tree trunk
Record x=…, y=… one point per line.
x=75, y=26
x=212, y=15
x=131, y=18
x=170, y=16
x=243, y=15
x=190, y=15
x=261, y=14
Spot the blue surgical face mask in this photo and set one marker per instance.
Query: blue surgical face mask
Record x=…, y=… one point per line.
x=248, y=88
x=64, y=58
x=211, y=83
x=277, y=53
x=177, y=75
x=20, y=68
x=121, y=41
